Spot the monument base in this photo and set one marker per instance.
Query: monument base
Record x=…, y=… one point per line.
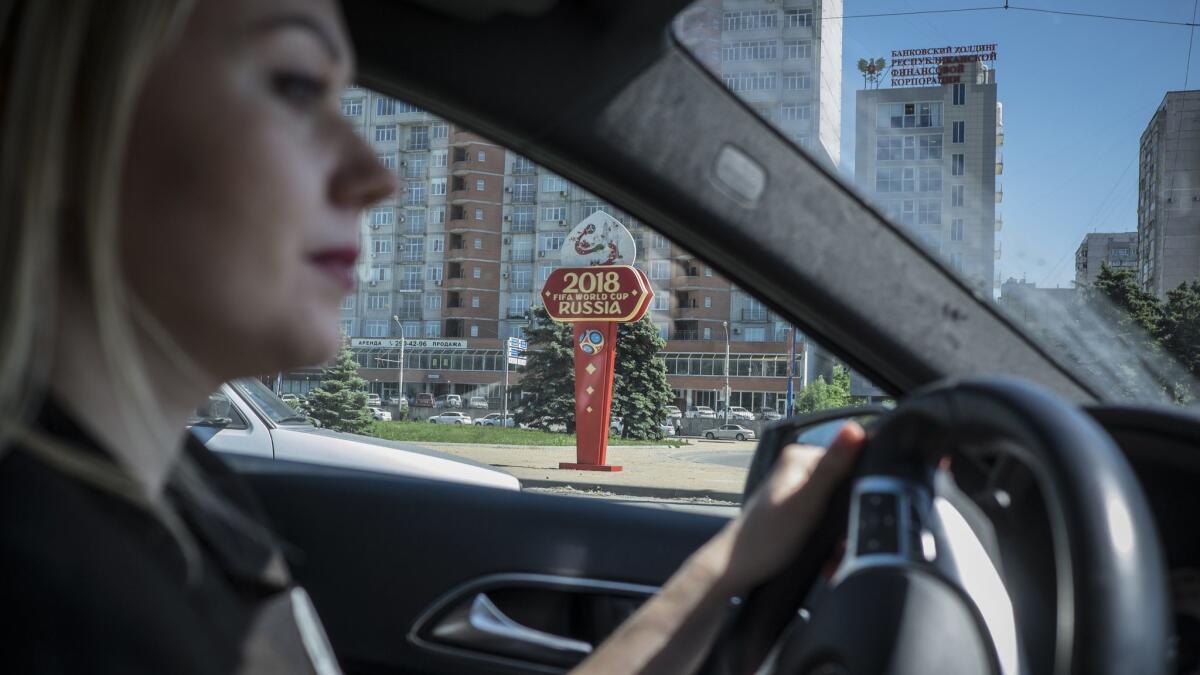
x=588, y=467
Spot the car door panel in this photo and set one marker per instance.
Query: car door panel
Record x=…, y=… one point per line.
x=378, y=553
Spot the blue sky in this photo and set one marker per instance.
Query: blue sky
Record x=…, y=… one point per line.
x=1077, y=94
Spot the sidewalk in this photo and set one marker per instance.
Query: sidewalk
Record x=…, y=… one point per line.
x=649, y=471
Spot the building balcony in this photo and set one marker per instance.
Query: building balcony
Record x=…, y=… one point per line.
x=999, y=222
x=999, y=165
x=409, y=315
x=999, y=138
x=520, y=286
x=524, y=197
x=684, y=335
x=681, y=282
x=1000, y=194
x=520, y=256
x=409, y=285
x=756, y=315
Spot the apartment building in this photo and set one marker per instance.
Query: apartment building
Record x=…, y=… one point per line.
x=1169, y=194
x=1116, y=250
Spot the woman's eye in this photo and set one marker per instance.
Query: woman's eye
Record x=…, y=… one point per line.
x=298, y=89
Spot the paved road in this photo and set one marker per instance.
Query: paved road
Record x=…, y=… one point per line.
x=738, y=459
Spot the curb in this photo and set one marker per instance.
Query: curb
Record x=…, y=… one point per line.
x=635, y=490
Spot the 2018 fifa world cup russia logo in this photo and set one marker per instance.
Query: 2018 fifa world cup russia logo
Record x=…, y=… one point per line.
x=591, y=342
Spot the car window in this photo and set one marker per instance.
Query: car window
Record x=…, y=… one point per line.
x=218, y=411
x=1066, y=194
x=267, y=403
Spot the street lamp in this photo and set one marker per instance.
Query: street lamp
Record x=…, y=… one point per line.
x=400, y=376
x=725, y=325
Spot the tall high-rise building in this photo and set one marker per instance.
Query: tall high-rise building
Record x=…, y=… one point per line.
x=1116, y=250
x=1169, y=194
x=782, y=57
x=928, y=156
x=457, y=257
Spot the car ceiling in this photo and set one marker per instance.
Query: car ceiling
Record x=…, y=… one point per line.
x=598, y=91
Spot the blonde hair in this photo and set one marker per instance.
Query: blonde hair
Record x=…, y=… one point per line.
x=71, y=72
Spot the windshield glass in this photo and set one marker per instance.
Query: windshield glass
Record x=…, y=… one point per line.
x=1048, y=156
x=267, y=402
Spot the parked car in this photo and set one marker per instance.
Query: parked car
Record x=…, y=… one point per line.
x=245, y=418
x=448, y=401
x=737, y=412
x=450, y=417
x=373, y=399
x=701, y=412
x=734, y=432
x=381, y=415
x=493, y=420
x=616, y=426
x=290, y=399
x=674, y=413
x=769, y=414
x=423, y=400
x=478, y=402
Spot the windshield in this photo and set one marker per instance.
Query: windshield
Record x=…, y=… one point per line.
x=267, y=403
x=1048, y=156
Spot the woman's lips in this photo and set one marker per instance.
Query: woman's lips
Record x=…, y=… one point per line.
x=338, y=263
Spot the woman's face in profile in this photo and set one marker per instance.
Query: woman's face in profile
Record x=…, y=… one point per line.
x=243, y=185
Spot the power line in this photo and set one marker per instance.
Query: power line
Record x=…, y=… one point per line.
x=1005, y=6
x=1191, y=34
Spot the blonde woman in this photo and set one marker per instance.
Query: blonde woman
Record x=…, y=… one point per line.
x=179, y=197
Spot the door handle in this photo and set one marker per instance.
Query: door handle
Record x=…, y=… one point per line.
x=484, y=627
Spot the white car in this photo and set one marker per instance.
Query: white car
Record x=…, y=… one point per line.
x=702, y=412
x=477, y=402
x=373, y=400
x=493, y=420
x=245, y=418
x=769, y=414
x=380, y=414
x=737, y=412
x=674, y=413
x=450, y=417
x=733, y=432
x=616, y=425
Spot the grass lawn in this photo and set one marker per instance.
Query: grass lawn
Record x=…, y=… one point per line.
x=457, y=433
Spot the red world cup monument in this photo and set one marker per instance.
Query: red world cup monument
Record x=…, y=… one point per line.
x=597, y=290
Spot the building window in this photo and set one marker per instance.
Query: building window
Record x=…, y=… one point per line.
x=551, y=241
x=478, y=214
x=433, y=301
x=437, y=244
x=348, y=302
x=437, y=215
x=412, y=329
x=797, y=18
x=929, y=146
x=418, y=138
x=478, y=244
x=375, y=328
x=660, y=242
x=414, y=251
x=797, y=81
x=475, y=272
x=797, y=112
x=416, y=193
x=708, y=271
x=523, y=165
x=959, y=133
x=381, y=245
x=378, y=300
x=387, y=161
x=957, y=164
x=552, y=183
x=439, y=158
x=518, y=304
x=899, y=179
x=480, y=185
x=415, y=166
x=381, y=273
x=385, y=134
x=751, y=19
x=437, y=187
x=707, y=332
x=956, y=196
x=383, y=216
x=524, y=189
x=738, y=82
x=347, y=326
x=909, y=115
x=523, y=219
x=929, y=179
x=433, y=272
x=403, y=108
x=661, y=302
x=960, y=94
x=433, y=329
x=797, y=49
x=755, y=334
x=544, y=271
x=352, y=108
x=385, y=106
x=708, y=302
x=481, y=156
x=439, y=131
x=929, y=212
x=475, y=301
x=956, y=229
x=751, y=50
x=553, y=213
x=660, y=269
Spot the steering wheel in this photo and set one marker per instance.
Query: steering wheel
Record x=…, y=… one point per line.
x=909, y=597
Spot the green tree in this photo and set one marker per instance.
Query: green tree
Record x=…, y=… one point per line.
x=548, y=383
x=1139, y=311
x=1178, y=329
x=640, y=389
x=822, y=395
x=340, y=403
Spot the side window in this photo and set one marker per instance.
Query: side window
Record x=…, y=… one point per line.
x=218, y=411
